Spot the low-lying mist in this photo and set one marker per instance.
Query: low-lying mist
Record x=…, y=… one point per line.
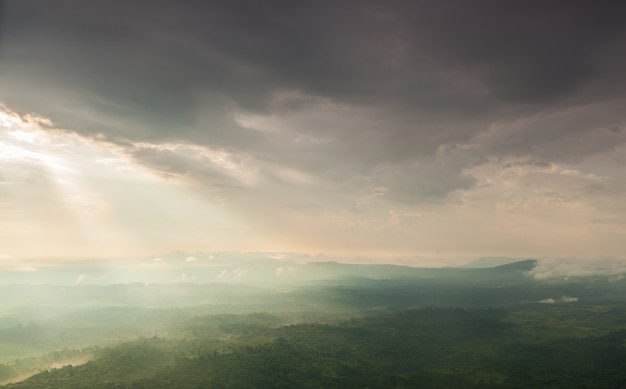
x=145, y=317
x=269, y=268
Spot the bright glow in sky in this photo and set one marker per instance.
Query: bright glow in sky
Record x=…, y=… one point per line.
x=400, y=130
x=62, y=195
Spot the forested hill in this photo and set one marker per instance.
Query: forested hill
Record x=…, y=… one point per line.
x=426, y=348
x=374, y=326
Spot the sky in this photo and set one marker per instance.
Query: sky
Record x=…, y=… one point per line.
x=406, y=131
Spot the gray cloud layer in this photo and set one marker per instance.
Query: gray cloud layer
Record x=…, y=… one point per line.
x=404, y=95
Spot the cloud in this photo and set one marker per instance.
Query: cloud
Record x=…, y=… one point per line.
x=423, y=179
x=562, y=299
x=183, y=278
x=283, y=271
x=578, y=267
x=20, y=269
x=210, y=166
x=240, y=272
x=398, y=56
x=566, y=135
x=341, y=112
x=371, y=89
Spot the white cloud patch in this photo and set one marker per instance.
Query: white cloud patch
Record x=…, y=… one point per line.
x=578, y=267
x=284, y=271
x=240, y=272
x=185, y=278
x=560, y=300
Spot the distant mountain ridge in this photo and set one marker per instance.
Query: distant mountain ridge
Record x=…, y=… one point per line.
x=487, y=262
x=256, y=270
x=525, y=265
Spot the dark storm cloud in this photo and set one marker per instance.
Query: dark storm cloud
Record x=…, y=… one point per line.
x=152, y=55
x=522, y=51
x=415, y=76
x=1, y=23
